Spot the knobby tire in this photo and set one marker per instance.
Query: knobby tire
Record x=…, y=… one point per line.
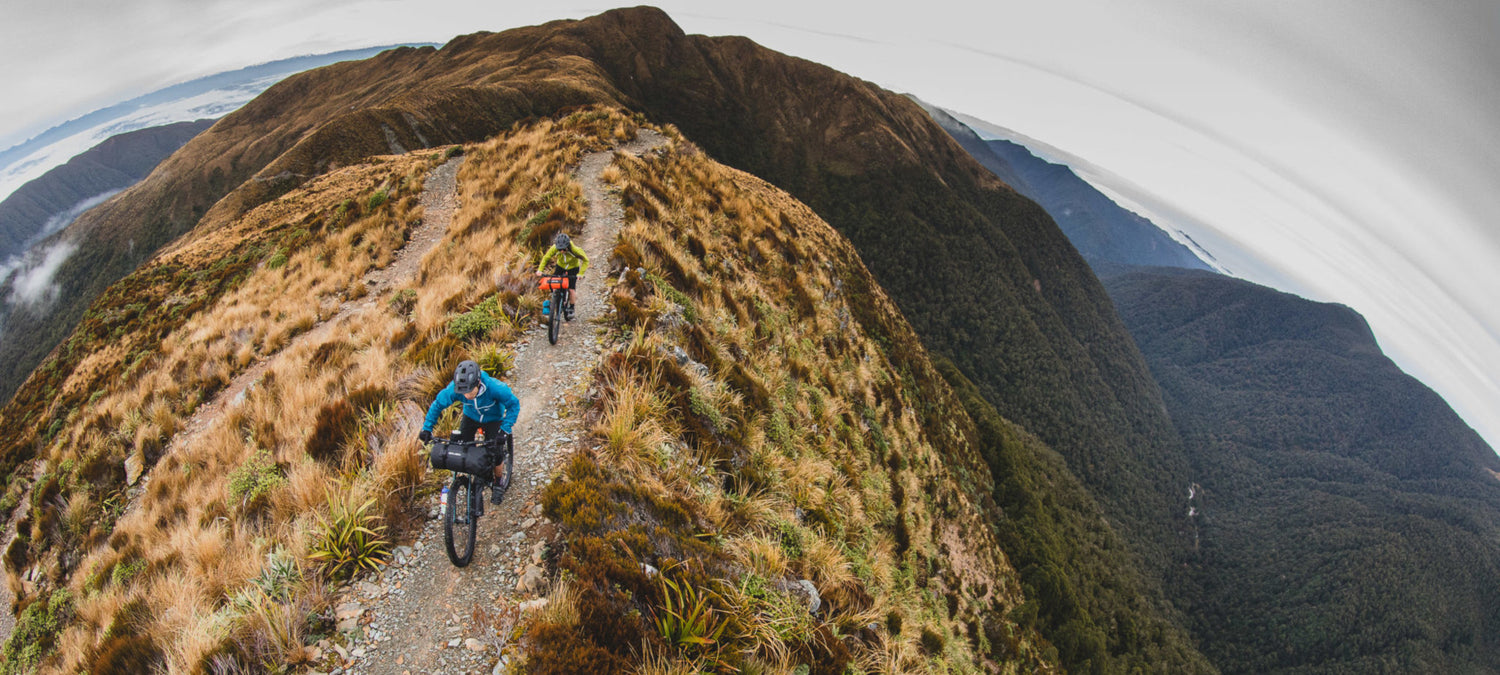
x=461, y=517
x=554, y=325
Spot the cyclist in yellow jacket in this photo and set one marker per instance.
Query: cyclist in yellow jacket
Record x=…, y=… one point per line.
x=571, y=262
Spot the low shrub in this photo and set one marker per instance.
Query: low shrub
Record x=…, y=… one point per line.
x=479, y=322
x=250, y=485
x=349, y=538
x=36, y=631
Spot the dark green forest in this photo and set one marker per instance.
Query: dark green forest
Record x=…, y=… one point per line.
x=1348, y=520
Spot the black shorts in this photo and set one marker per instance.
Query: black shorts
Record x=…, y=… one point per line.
x=572, y=276
x=492, y=432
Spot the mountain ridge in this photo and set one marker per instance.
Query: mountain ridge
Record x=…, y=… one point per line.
x=114, y=164
x=1036, y=334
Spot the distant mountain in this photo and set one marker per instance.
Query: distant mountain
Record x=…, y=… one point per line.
x=1100, y=229
x=1349, y=520
x=978, y=148
x=204, y=98
x=44, y=205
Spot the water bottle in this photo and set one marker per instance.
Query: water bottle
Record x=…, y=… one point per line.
x=443, y=509
x=547, y=307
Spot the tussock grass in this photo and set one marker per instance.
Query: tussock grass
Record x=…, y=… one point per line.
x=190, y=558
x=752, y=431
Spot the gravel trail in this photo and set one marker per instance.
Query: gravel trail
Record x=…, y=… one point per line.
x=422, y=614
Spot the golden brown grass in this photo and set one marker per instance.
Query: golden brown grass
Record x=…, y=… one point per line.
x=201, y=531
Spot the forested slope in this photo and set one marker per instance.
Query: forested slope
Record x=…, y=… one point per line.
x=1348, y=520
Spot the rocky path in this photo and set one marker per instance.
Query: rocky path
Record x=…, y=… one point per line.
x=423, y=615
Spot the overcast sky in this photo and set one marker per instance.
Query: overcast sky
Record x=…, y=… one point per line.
x=1344, y=150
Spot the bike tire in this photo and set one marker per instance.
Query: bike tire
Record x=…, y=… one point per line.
x=554, y=324
x=460, y=526
x=510, y=463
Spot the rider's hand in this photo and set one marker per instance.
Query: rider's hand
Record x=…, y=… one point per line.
x=424, y=436
x=507, y=431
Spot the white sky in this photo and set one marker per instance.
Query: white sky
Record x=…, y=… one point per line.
x=1345, y=150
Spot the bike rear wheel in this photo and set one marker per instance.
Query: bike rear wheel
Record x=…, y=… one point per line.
x=460, y=524
x=554, y=326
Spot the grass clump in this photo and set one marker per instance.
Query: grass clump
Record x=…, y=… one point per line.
x=403, y=302
x=376, y=200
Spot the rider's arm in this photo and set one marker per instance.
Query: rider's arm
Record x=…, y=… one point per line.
x=508, y=402
x=445, y=398
x=584, y=267
x=551, y=251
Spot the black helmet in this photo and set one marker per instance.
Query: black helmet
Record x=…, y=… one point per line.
x=466, y=377
x=561, y=242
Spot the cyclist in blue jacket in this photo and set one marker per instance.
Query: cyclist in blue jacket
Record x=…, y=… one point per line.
x=488, y=404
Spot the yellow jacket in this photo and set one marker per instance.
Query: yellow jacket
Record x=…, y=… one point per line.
x=573, y=258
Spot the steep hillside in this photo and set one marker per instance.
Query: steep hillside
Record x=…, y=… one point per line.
x=113, y=165
x=767, y=417
x=983, y=275
x=1349, y=521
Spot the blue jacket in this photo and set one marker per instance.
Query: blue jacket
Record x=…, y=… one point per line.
x=494, y=402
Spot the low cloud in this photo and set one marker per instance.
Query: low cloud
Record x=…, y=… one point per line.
x=33, y=279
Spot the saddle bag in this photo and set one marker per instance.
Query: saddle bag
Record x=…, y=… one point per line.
x=462, y=457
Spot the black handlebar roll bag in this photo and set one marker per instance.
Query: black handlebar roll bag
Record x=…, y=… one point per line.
x=462, y=457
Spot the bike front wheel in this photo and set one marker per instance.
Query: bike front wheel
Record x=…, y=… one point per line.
x=460, y=524
x=554, y=326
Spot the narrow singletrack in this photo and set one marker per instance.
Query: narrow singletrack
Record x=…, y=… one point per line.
x=419, y=615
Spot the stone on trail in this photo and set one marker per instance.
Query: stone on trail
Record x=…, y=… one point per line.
x=349, y=610
x=532, y=580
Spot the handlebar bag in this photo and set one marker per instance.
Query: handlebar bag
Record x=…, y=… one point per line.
x=553, y=283
x=462, y=457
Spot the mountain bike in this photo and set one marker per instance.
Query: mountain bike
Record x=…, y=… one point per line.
x=556, y=314
x=473, y=466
